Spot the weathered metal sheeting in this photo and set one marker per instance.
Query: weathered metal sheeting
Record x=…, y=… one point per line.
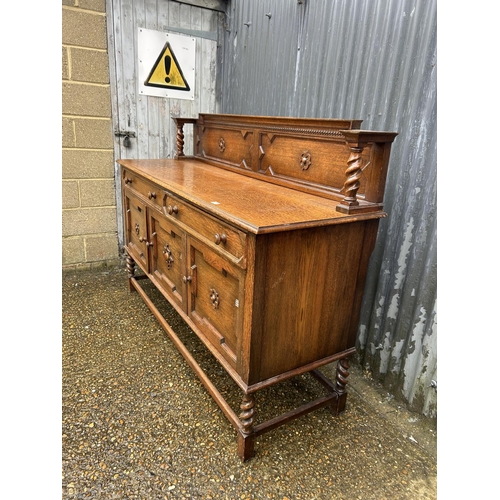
x=374, y=60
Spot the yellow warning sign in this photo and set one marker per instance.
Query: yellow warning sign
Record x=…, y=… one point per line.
x=166, y=72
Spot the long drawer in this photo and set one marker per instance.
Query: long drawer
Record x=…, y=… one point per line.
x=212, y=230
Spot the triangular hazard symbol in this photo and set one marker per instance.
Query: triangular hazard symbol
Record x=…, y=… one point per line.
x=166, y=72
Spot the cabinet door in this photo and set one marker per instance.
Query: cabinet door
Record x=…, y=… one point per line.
x=168, y=263
x=136, y=234
x=215, y=298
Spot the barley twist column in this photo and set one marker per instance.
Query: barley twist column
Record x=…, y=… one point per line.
x=353, y=173
x=246, y=437
x=180, y=140
x=130, y=263
x=340, y=384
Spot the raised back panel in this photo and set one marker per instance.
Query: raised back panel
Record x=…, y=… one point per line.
x=231, y=146
x=327, y=157
x=305, y=153
x=316, y=163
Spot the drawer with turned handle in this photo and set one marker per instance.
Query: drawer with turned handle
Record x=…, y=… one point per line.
x=145, y=188
x=200, y=224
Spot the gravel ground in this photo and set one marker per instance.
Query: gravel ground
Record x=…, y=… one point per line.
x=138, y=425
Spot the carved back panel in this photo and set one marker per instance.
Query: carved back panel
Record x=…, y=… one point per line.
x=306, y=153
x=327, y=157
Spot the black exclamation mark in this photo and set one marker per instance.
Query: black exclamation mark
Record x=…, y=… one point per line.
x=168, y=62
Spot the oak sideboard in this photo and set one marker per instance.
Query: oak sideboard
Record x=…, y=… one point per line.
x=260, y=239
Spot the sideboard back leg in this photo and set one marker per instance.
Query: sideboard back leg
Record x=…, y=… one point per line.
x=246, y=436
x=131, y=272
x=340, y=385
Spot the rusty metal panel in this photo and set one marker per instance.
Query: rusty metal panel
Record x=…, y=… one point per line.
x=374, y=60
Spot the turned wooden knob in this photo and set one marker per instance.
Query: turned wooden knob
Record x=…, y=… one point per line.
x=172, y=209
x=128, y=180
x=151, y=195
x=220, y=238
x=151, y=243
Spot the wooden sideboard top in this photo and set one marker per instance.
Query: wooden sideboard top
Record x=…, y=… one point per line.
x=250, y=204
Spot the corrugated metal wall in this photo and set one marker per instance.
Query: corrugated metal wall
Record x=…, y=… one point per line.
x=374, y=60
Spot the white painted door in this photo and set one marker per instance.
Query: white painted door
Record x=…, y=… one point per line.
x=147, y=118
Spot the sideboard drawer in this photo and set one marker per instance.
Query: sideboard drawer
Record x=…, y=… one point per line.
x=218, y=233
x=142, y=186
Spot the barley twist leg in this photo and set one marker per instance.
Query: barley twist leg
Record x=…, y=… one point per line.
x=131, y=272
x=246, y=437
x=340, y=385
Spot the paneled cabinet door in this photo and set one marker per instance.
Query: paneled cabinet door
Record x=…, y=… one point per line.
x=168, y=260
x=215, y=298
x=136, y=230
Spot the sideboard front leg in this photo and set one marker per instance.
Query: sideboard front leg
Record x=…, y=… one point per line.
x=340, y=385
x=131, y=272
x=245, y=434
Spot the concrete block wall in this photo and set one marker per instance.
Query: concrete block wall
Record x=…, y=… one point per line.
x=89, y=223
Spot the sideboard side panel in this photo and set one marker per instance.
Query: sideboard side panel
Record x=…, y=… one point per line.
x=309, y=283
